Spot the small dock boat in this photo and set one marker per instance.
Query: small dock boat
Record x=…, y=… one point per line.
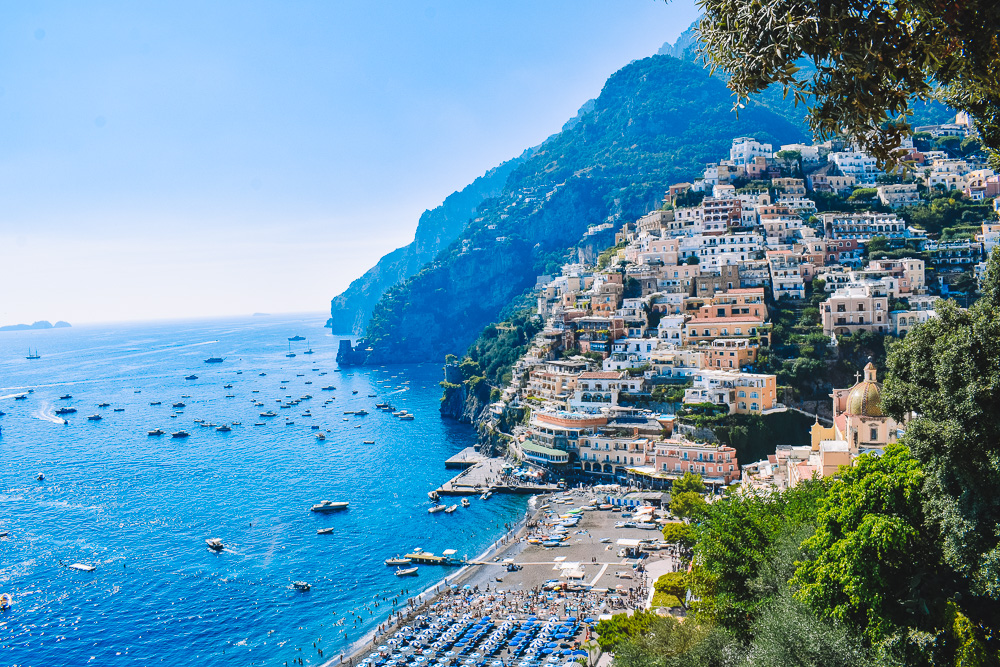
x=65, y=397
x=94, y=418
x=180, y=434
x=450, y=509
x=433, y=495
x=465, y=502
x=214, y=360
x=82, y=567
x=406, y=417
x=65, y=411
x=215, y=544
x=103, y=405
x=119, y=409
x=223, y=429
x=154, y=403
x=320, y=436
x=368, y=442
x=325, y=531
x=328, y=506
x=406, y=572
x=191, y=377
x=301, y=586
x=436, y=509
x=156, y=431
x=40, y=477
x=178, y=405
x=397, y=561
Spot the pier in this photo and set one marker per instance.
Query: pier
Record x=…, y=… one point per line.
x=483, y=474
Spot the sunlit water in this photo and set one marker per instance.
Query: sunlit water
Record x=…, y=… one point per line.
x=140, y=508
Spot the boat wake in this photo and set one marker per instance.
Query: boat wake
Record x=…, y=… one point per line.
x=46, y=413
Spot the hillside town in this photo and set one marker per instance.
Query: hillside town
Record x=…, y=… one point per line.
x=674, y=319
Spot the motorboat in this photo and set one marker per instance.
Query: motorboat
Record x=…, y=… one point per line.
x=21, y=397
x=368, y=442
x=296, y=338
x=215, y=544
x=94, y=418
x=103, y=405
x=301, y=586
x=355, y=391
x=214, y=360
x=406, y=417
x=227, y=386
x=268, y=414
x=436, y=508
x=154, y=402
x=223, y=429
x=119, y=409
x=261, y=374
x=325, y=531
x=465, y=502
x=397, y=561
x=433, y=495
x=328, y=506
x=361, y=413
x=40, y=477
x=320, y=436
x=156, y=431
x=450, y=509
x=66, y=397
x=180, y=434
x=486, y=495
x=406, y=572
x=65, y=411
x=328, y=387
x=382, y=406
x=191, y=377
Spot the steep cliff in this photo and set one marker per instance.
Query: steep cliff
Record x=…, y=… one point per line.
x=350, y=310
x=656, y=122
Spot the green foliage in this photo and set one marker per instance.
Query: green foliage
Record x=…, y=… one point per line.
x=689, y=482
x=631, y=288
x=863, y=193
x=947, y=374
x=678, y=533
x=622, y=627
x=605, y=257
x=667, y=642
x=860, y=77
x=674, y=584
x=946, y=210
x=687, y=504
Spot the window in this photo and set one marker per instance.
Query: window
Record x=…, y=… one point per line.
x=874, y=433
x=742, y=394
x=753, y=394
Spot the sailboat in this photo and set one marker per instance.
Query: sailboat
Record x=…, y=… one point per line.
x=310, y=350
x=290, y=353
x=34, y=355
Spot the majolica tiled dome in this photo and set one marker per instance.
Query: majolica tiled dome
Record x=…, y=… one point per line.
x=865, y=398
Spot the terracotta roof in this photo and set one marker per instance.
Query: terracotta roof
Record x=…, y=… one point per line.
x=721, y=320
x=600, y=375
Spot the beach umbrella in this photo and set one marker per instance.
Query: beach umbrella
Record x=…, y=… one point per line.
x=547, y=650
x=588, y=620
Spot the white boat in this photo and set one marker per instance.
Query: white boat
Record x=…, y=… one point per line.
x=406, y=417
x=465, y=502
x=301, y=586
x=82, y=567
x=406, y=572
x=328, y=506
x=215, y=544
x=450, y=509
x=397, y=561
x=325, y=531
x=436, y=508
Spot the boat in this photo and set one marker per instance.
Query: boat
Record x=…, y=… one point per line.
x=94, y=418
x=433, y=495
x=310, y=350
x=296, y=338
x=320, y=436
x=227, y=386
x=33, y=355
x=156, y=431
x=361, y=413
x=103, y=405
x=355, y=391
x=371, y=395
x=406, y=572
x=397, y=561
x=450, y=509
x=5, y=600
x=191, y=377
x=65, y=397
x=368, y=442
x=328, y=387
x=290, y=353
x=436, y=508
x=21, y=397
x=300, y=586
x=268, y=414
x=328, y=506
x=154, y=403
x=215, y=544
x=237, y=423
x=486, y=495
x=82, y=567
x=382, y=406
x=223, y=429
x=325, y=531
x=406, y=417
x=119, y=409
x=261, y=374
x=180, y=434
x=214, y=360
x=40, y=477
x=465, y=502
x=259, y=424
x=178, y=405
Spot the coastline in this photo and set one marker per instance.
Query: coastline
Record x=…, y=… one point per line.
x=472, y=574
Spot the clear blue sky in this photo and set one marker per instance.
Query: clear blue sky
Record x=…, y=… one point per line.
x=195, y=158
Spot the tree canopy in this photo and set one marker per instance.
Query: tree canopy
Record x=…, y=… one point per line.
x=860, y=64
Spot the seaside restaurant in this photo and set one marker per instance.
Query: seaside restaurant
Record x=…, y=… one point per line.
x=545, y=456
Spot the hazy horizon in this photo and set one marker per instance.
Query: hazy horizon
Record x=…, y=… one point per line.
x=189, y=161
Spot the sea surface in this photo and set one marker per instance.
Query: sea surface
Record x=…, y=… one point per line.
x=140, y=507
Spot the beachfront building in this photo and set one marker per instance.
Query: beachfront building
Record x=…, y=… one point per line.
x=717, y=464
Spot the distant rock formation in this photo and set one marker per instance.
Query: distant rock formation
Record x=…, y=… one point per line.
x=41, y=324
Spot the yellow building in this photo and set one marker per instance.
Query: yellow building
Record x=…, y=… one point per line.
x=858, y=418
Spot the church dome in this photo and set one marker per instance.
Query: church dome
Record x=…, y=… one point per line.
x=865, y=398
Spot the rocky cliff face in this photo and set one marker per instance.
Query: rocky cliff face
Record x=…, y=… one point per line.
x=350, y=310
x=657, y=122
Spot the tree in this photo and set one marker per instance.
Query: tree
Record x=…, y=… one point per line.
x=945, y=376
x=674, y=586
x=688, y=482
x=859, y=64
x=687, y=505
x=876, y=567
x=622, y=627
x=679, y=534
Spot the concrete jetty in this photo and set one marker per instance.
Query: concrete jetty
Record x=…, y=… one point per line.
x=483, y=474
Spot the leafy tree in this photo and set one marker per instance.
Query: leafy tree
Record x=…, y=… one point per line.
x=688, y=482
x=622, y=627
x=669, y=643
x=875, y=567
x=631, y=288
x=945, y=376
x=674, y=586
x=862, y=62
x=680, y=534
x=687, y=505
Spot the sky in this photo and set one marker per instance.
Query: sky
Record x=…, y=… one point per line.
x=190, y=159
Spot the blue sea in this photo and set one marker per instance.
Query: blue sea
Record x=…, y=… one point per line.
x=140, y=507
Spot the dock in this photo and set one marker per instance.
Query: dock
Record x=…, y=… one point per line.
x=465, y=459
x=423, y=558
x=484, y=475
